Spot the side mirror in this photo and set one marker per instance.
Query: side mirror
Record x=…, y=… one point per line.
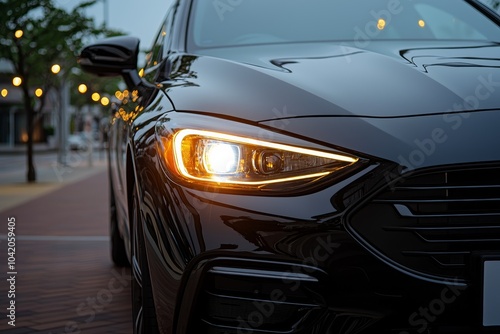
x=112, y=57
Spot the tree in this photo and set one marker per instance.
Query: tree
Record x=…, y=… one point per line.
x=495, y=4
x=34, y=35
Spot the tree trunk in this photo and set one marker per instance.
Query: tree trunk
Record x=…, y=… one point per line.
x=30, y=113
x=31, y=174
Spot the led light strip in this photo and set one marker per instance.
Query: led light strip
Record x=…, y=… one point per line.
x=215, y=135
x=179, y=137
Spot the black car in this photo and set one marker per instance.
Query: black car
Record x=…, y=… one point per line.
x=309, y=166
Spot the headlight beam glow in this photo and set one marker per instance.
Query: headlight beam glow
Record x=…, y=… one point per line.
x=215, y=157
x=221, y=158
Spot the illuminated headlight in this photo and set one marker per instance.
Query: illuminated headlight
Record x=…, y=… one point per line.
x=219, y=158
x=236, y=161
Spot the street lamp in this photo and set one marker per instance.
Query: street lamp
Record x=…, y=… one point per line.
x=56, y=68
x=105, y=101
x=63, y=110
x=119, y=95
x=105, y=12
x=17, y=81
x=82, y=88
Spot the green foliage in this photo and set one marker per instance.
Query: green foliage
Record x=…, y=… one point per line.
x=49, y=130
x=50, y=36
x=495, y=4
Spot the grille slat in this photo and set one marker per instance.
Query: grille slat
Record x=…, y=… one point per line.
x=432, y=221
x=449, y=187
x=424, y=201
x=451, y=259
x=453, y=234
x=405, y=211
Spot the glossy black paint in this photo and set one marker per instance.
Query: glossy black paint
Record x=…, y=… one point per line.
x=110, y=57
x=327, y=80
x=401, y=106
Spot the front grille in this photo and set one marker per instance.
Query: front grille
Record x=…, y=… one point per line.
x=432, y=222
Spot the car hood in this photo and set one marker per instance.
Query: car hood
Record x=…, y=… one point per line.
x=413, y=142
x=384, y=79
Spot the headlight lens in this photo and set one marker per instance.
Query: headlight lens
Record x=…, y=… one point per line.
x=216, y=157
x=195, y=149
x=236, y=161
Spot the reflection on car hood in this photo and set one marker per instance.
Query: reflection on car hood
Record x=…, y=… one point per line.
x=384, y=79
x=414, y=142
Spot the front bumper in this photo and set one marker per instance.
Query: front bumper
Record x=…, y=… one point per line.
x=232, y=295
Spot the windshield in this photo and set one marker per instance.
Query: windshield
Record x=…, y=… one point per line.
x=222, y=23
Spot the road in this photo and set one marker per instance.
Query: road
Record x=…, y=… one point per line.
x=62, y=277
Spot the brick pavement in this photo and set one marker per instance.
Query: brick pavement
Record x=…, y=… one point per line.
x=65, y=280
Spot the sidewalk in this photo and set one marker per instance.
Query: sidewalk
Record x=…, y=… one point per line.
x=6, y=149
x=50, y=175
x=65, y=281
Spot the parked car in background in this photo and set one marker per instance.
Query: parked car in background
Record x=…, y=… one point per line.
x=319, y=166
x=78, y=142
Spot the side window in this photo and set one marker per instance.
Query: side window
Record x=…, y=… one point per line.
x=158, y=51
x=169, y=24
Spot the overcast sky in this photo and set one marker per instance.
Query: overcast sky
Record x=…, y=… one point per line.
x=137, y=18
